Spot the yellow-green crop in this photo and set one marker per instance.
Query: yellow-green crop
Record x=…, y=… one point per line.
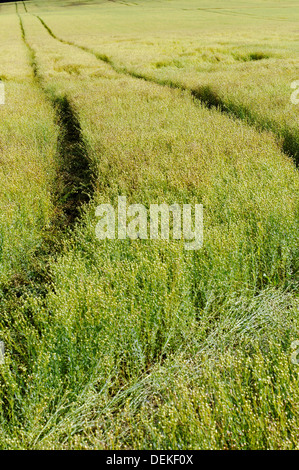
x=140, y=344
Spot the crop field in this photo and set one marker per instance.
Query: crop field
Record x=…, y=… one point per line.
x=140, y=343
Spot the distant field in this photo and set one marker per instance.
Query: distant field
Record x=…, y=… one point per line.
x=141, y=344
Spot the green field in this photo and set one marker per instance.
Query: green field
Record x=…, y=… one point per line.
x=142, y=344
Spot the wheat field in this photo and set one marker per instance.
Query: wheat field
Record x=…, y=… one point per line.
x=139, y=343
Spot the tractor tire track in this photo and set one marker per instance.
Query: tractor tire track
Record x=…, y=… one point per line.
x=76, y=172
x=73, y=189
x=207, y=97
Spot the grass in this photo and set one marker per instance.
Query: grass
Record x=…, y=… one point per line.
x=28, y=160
x=141, y=344
x=245, y=64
